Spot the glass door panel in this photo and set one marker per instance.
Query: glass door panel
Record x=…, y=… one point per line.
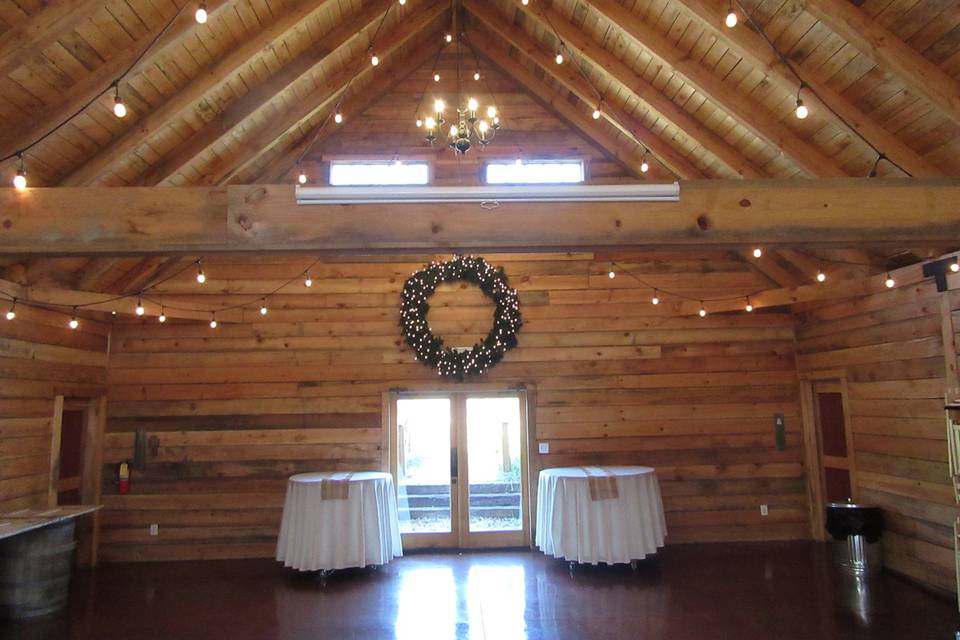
x=424, y=498
x=495, y=497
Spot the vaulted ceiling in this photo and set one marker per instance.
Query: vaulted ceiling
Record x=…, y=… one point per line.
x=243, y=97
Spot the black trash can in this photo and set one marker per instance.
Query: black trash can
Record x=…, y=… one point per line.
x=856, y=531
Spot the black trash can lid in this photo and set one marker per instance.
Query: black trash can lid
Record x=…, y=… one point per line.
x=846, y=519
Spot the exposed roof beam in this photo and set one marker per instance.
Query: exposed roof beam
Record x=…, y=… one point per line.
x=724, y=214
x=93, y=271
x=222, y=72
x=747, y=112
x=297, y=74
x=577, y=117
x=613, y=69
x=882, y=46
x=768, y=266
x=279, y=168
x=278, y=130
x=41, y=30
x=754, y=49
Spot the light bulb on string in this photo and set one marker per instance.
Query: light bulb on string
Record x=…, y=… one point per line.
x=12, y=312
x=559, y=58
x=162, y=317
x=476, y=75
x=758, y=252
x=731, y=19
x=596, y=113
x=436, y=77
x=302, y=178
x=140, y=310
x=524, y=2
x=20, y=180
x=201, y=15
x=655, y=300
x=801, y=112
x=201, y=276
x=308, y=281
x=644, y=165
x=374, y=60
x=263, y=307
x=890, y=283
x=213, y=320
x=338, y=117
x=821, y=276
x=955, y=266
x=612, y=274
x=748, y=307
x=448, y=38
x=703, y=310
x=74, y=323
x=419, y=123
x=119, y=109
x=402, y=2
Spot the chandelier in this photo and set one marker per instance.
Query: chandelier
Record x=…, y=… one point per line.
x=468, y=127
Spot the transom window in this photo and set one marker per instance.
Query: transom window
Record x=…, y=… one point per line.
x=344, y=174
x=534, y=172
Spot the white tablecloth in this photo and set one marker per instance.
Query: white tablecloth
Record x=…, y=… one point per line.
x=358, y=531
x=572, y=526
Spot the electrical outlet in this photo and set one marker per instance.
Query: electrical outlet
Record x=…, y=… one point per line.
x=764, y=511
x=543, y=447
x=154, y=529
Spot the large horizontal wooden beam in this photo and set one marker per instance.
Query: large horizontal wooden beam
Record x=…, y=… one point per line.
x=710, y=213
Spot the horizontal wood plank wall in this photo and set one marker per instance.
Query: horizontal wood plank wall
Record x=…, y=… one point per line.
x=240, y=408
x=40, y=358
x=890, y=346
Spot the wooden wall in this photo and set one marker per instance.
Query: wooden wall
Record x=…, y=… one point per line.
x=239, y=408
x=40, y=358
x=890, y=347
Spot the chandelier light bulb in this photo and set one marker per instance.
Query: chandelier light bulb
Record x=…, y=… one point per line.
x=802, y=111
x=338, y=117
x=758, y=252
x=491, y=111
x=890, y=282
x=472, y=104
x=201, y=15
x=419, y=123
x=559, y=58
x=483, y=126
x=439, y=105
x=374, y=60
x=821, y=276
x=731, y=19
x=430, y=122
x=453, y=131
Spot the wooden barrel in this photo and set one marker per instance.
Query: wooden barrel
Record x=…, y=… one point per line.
x=35, y=570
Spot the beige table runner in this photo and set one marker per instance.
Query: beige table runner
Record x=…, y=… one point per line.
x=603, y=485
x=335, y=489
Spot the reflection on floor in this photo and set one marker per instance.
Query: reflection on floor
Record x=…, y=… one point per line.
x=742, y=591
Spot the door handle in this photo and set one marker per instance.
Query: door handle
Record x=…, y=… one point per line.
x=453, y=464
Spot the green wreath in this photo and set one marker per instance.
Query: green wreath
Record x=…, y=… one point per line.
x=428, y=348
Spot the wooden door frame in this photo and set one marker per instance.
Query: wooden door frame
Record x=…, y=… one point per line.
x=91, y=467
x=389, y=458
x=810, y=384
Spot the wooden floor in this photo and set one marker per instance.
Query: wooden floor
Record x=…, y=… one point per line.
x=743, y=591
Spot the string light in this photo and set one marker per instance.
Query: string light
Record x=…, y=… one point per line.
x=955, y=266
x=476, y=75
x=119, y=109
x=263, y=307
x=731, y=19
x=12, y=313
x=749, y=306
x=703, y=310
x=163, y=316
x=308, y=281
x=758, y=252
x=201, y=276
x=612, y=274
x=644, y=165
x=821, y=276
x=140, y=310
x=448, y=38
x=338, y=118
x=201, y=15
x=436, y=77
x=74, y=323
x=890, y=282
x=374, y=60
x=302, y=178
x=213, y=320
x=402, y=2
x=655, y=300
x=20, y=180
x=596, y=113
x=524, y=2
x=802, y=111
x=559, y=58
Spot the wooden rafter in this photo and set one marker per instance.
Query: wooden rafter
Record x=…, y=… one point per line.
x=42, y=30
x=767, y=265
x=723, y=214
x=614, y=70
x=220, y=73
x=752, y=48
x=298, y=72
x=883, y=47
x=747, y=112
x=279, y=130
x=395, y=70
x=579, y=118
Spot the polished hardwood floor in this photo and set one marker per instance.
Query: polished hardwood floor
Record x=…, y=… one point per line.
x=736, y=591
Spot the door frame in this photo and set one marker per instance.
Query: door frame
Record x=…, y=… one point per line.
x=460, y=536
x=91, y=467
x=810, y=384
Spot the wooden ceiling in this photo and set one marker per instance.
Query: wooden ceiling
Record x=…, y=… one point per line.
x=239, y=99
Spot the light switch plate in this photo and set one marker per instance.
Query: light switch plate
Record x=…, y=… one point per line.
x=154, y=529
x=764, y=510
x=543, y=447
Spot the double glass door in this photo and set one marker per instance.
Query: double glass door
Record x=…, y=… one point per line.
x=459, y=461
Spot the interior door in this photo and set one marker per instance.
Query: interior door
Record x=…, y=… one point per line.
x=834, y=442
x=459, y=461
